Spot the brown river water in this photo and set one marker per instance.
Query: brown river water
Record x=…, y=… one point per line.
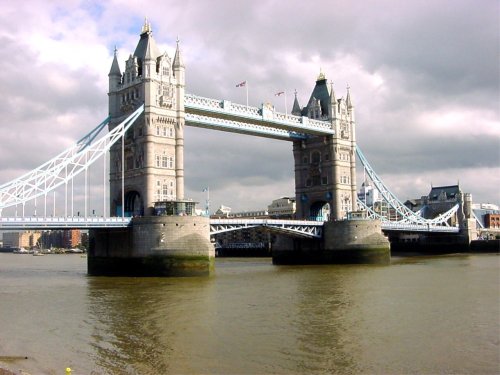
x=419, y=315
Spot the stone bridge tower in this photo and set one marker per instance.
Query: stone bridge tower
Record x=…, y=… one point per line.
x=325, y=167
x=154, y=147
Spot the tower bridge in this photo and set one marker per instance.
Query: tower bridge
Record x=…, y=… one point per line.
x=148, y=110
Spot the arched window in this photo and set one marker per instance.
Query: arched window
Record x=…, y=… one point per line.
x=315, y=157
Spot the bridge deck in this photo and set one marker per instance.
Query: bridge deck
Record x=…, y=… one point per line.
x=305, y=228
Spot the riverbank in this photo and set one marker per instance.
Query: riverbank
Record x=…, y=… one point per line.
x=4, y=371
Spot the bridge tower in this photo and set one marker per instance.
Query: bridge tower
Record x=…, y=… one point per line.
x=154, y=147
x=325, y=167
x=148, y=167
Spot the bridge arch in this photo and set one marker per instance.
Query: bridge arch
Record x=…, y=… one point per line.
x=133, y=204
x=320, y=211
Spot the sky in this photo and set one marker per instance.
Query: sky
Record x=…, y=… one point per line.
x=423, y=75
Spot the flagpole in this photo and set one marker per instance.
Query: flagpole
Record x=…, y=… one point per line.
x=208, y=201
x=246, y=86
x=286, y=108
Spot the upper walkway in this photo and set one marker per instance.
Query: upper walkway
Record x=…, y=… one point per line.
x=238, y=118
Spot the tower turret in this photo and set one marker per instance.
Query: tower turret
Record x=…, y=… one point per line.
x=115, y=77
x=333, y=103
x=296, y=110
x=349, y=105
x=153, y=158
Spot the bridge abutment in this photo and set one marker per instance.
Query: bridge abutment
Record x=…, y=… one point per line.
x=153, y=246
x=343, y=242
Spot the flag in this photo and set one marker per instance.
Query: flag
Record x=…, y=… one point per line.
x=241, y=84
x=279, y=93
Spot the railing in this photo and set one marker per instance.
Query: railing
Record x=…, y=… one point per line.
x=302, y=228
x=265, y=116
x=63, y=222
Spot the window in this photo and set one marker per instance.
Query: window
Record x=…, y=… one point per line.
x=324, y=180
x=315, y=157
x=164, y=161
x=157, y=129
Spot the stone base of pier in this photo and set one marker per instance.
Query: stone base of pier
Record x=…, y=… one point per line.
x=153, y=246
x=343, y=242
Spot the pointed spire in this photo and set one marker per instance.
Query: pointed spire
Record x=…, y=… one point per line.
x=321, y=75
x=333, y=99
x=348, y=99
x=296, y=106
x=115, y=68
x=178, y=60
x=146, y=28
x=147, y=48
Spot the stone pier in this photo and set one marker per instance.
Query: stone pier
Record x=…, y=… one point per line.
x=153, y=246
x=344, y=242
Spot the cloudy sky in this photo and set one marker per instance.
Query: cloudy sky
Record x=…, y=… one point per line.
x=424, y=78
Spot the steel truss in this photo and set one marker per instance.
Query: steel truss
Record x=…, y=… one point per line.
x=65, y=166
x=265, y=121
x=408, y=216
x=300, y=228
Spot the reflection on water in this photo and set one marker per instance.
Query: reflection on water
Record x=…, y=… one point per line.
x=418, y=316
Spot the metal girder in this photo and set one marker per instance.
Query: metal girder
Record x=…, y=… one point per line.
x=218, y=123
x=409, y=217
x=264, y=121
x=42, y=223
x=301, y=228
x=65, y=166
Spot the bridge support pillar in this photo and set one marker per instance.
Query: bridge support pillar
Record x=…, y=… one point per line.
x=344, y=242
x=153, y=246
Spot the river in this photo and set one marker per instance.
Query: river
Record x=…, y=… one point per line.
x=419, y=315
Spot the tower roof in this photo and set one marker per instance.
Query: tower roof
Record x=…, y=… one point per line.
x=296, y=110
x=178, y=60
x=115, y=68
x=348, y=99
x=147, y=48
x=321, y=93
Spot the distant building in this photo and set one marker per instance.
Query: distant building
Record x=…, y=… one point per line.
x=368, y=195
x=223, y=211
x=282, y=208
x=71, y=238
x=27, y=239
x=487, y=215
x=492, y=221
x=414, y=204
x=68, y=238
x=440, y=200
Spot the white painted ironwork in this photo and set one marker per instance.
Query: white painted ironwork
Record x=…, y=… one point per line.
x=235, y=126
x=40, y=223
x=229, y=115
x=65, y=166
x=301, y=228
x=398, y=226
x=433, y=225
x=407, y=215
